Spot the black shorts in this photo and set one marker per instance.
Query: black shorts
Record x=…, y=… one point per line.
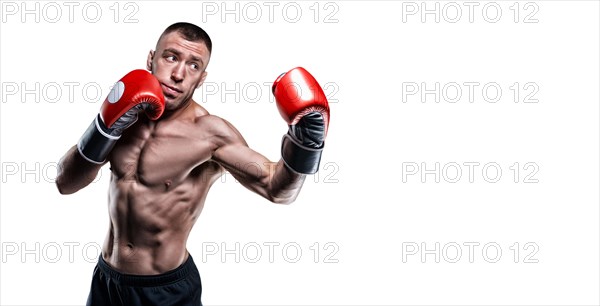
x=181, y=287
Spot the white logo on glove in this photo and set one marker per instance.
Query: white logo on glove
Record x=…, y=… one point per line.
x=116, y=92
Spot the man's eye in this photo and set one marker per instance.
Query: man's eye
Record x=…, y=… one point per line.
x=195, y=66
x=171, y=58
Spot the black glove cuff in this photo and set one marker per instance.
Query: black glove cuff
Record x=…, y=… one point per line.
x=300, y=158
x=96, y=144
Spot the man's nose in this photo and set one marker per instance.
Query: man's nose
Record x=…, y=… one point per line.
x=178, y=73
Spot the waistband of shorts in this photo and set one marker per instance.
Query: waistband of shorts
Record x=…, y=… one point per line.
x=177, y=274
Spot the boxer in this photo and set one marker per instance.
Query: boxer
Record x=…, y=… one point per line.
x=165, y=151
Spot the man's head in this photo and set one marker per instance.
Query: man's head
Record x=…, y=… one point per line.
x=179, y=62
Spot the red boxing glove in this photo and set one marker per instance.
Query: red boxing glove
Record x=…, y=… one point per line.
x=138, y=87
x=138, y=91
x=298, y=93
x=303, y=105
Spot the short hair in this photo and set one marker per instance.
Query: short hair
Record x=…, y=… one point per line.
x=190, y=32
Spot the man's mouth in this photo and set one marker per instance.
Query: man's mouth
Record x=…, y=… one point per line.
x=170, y=91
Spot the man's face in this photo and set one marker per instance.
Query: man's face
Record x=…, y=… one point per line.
x=179, y=65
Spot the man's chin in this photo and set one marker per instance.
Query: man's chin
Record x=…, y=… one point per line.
x=169, y=101
x=172, y=103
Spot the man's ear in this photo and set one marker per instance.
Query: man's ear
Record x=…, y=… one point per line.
x=149, y=60
x=202, y=78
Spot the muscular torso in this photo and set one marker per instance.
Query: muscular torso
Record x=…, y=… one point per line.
x=161, y=173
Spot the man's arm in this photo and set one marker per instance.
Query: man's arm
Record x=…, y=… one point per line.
x=74, y=172
x=136, y=92
x=272, y=180
x=303, y=105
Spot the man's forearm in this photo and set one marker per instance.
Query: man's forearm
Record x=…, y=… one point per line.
x=285, y=184
x=74, y=172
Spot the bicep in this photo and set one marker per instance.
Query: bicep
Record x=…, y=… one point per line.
x=249, y=167
x=272, y=180
x=241, y=161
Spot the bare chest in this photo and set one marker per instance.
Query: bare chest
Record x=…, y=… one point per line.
x=157, y=155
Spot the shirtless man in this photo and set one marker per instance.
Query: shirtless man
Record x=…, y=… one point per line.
x=165, y=151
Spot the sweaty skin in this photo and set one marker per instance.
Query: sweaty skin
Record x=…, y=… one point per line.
x=161, y=171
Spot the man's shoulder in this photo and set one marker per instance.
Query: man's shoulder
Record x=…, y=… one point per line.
x=211, y=121
x=215, y=125
x=201, y=117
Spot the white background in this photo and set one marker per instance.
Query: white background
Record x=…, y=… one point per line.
x=364, y=201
